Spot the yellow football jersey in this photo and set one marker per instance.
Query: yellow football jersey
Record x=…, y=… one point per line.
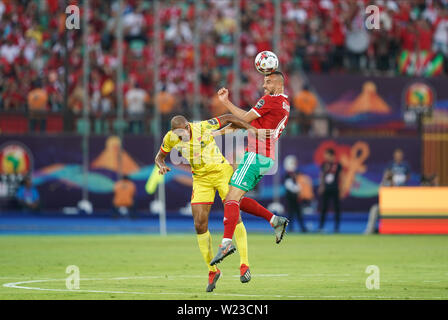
x=201, y=151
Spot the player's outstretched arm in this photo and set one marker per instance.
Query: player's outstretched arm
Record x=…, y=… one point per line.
x=234, y=122
x=238, y=123
x=224, y=130
x=223, y=96
x=160, y=163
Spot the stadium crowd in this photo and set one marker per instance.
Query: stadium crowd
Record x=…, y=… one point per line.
x=316, y=36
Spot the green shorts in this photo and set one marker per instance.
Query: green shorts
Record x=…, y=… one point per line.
x=250, y=171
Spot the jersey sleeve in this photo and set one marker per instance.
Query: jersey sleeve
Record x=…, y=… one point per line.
x=211, y=124
x=262, y=107
x=167, y=143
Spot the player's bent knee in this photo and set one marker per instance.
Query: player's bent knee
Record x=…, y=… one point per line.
x=201, y=227
x=234, y=194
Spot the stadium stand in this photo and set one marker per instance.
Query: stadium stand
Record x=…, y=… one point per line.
x=32, y=44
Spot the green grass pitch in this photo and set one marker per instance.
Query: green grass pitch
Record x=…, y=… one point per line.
x=171, y=268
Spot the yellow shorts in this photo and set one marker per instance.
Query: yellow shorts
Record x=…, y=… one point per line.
x=205, y=186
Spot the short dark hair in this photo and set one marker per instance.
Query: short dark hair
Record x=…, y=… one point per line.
x=178, y=122
x=279, y=73
x=330, y=151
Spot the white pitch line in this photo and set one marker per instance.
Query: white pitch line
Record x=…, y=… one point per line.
x=325, y=275
x=269, y=275
x=18, y=285
x=9, y=278
x=195, y=276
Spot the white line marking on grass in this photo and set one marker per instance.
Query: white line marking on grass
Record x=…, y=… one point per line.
x=325, y=275
x=266, y=275
x=172, y=277
x=141, y=277
x=19, y=285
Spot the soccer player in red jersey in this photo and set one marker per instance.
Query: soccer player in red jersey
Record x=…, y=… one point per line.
x=271, y=113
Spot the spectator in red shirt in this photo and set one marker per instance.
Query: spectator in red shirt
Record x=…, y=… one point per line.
x=409, y=38
x=337, y=38
x=12, y=99
x=425, y=34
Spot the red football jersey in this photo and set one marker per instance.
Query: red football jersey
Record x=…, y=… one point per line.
x=273, y=112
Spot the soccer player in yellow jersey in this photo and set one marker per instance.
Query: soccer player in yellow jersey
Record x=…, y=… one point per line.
x=211, y=172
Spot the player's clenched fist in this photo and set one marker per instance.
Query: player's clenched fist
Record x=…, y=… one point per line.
x=223, y=94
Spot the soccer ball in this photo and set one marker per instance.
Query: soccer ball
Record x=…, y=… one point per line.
x=266, y=62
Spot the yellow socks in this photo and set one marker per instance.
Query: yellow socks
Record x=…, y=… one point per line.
x=205, y=246
x=241, y=242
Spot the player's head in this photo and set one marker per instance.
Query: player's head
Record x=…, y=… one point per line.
x=27, y=182
x=290, y=163
x=329, y=154
x=274, y=83
x=398, y=155
x=181, y=127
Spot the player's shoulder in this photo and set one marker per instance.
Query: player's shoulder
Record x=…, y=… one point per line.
x=275, y=98
x=170, y=138
x=279, y=97
x=405, y=164
x=204, y=124
x=168, y=134
x=266, y=100
x=280, y=101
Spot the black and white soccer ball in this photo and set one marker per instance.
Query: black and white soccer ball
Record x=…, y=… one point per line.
x=266, y=62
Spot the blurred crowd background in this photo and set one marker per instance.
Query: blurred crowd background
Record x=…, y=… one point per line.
x=317, y=37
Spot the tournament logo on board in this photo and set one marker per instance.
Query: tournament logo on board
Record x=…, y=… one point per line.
x=16, y=162
x=419, y=98
x=15, y=158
